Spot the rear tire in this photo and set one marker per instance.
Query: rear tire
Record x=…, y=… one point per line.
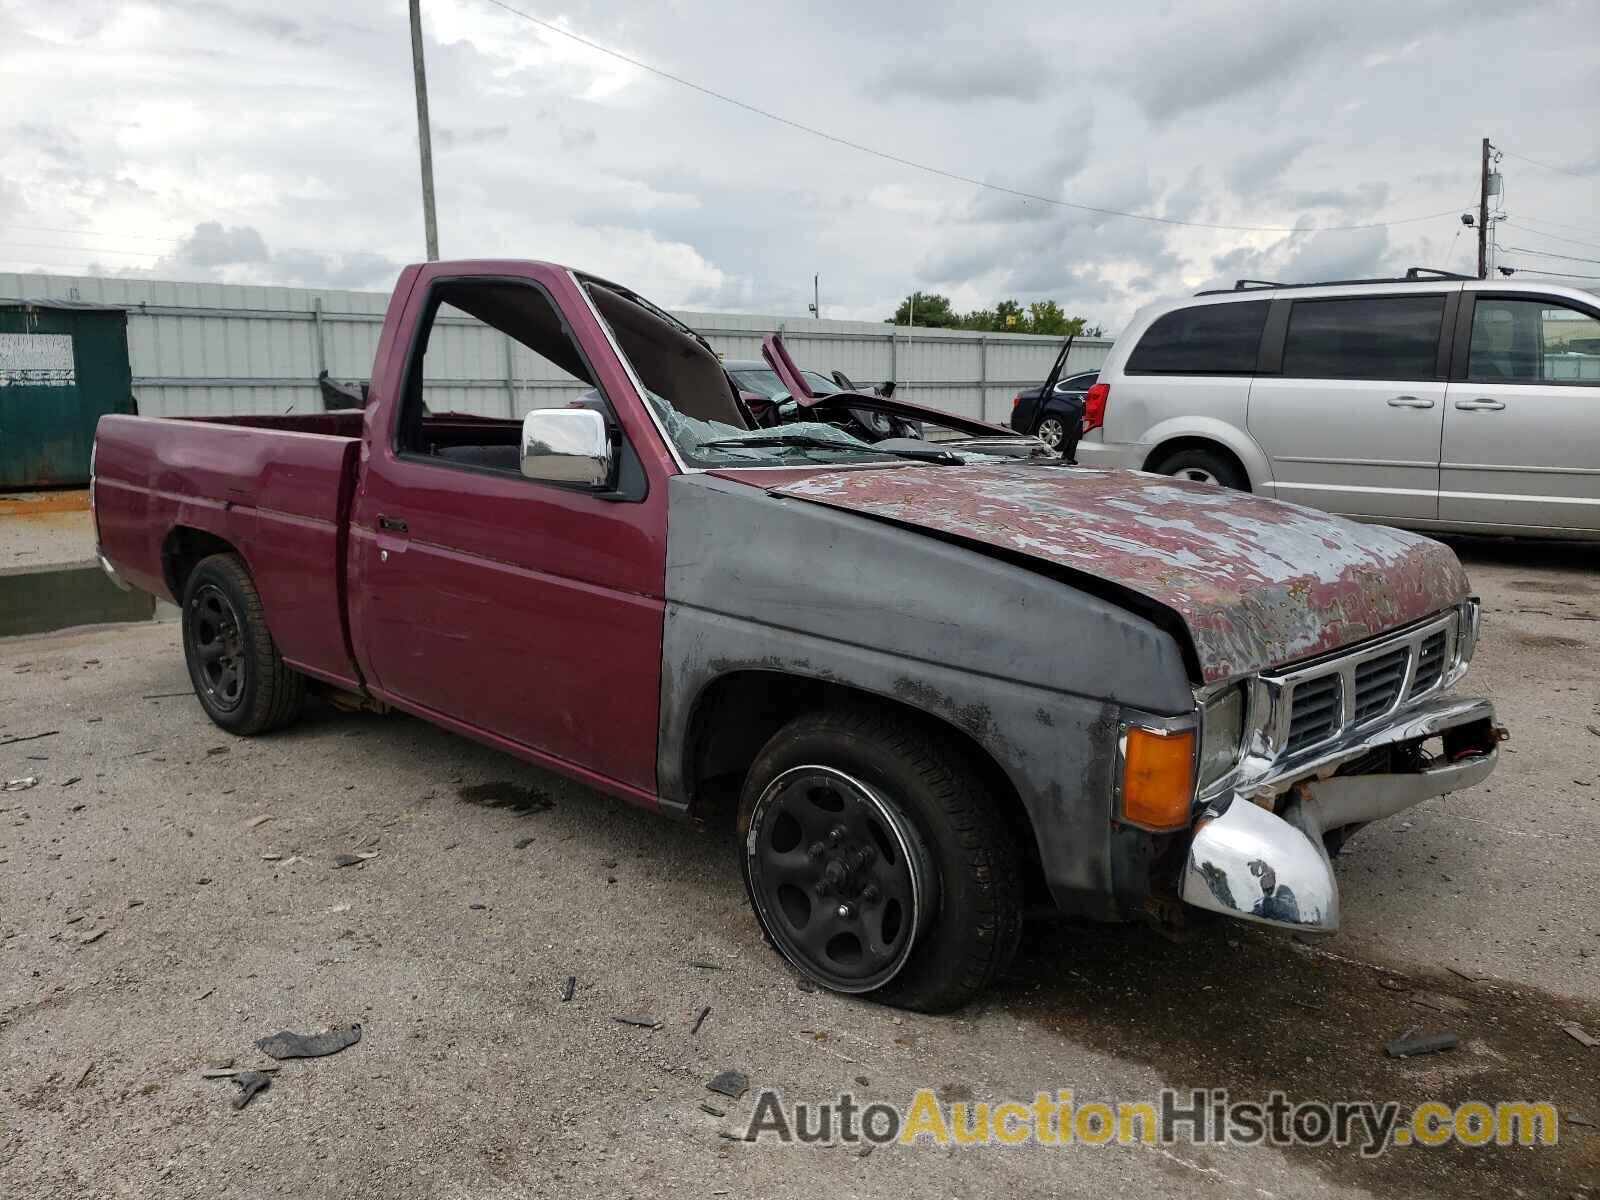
x=239, y=677
x=1203, y=466
x=1052, y=431
x=863, y=809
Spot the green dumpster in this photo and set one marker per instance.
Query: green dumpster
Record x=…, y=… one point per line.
x=62, y=365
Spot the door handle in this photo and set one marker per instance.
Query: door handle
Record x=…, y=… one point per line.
x=1481, y=404
x=1409, y=402
x=393, y=525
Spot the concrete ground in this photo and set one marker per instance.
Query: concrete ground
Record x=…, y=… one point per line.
x=168, y=895
x=41, y=529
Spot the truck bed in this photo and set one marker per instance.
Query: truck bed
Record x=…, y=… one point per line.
x=278, y=488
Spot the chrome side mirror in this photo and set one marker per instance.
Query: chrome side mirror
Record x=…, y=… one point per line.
x=566, y=445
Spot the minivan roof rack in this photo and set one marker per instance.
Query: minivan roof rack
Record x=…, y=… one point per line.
x=1412, y=275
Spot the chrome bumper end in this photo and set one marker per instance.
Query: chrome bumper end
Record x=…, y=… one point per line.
x=1247, y=861
x=111, y=572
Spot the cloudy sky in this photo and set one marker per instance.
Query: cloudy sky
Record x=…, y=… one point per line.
x=255, y=142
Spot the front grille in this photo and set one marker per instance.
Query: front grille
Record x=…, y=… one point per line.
x=1430, y=662
x=1315, y=711
x=1316, y=704
x=1378, y=683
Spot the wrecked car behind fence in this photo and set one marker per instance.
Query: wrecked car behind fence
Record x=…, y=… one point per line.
x=923, y=684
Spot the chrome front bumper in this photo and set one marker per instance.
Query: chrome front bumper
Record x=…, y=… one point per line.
x=1249, y=861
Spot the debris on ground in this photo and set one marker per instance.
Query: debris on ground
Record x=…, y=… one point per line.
x=1578, y=1119
x=68, y=782
x=250, y=1083
x=523, y=843
x=734, y=1135
x=29, y=737
x=1580, y=1034
x=1440, y=1003
x=1428, y=1043
x=90, y=938
x=351, y=860
x=569, y=988
x=230, y=1071
x=805, y=985
x=20, y=785
x=700, y=1020
x=731, y=1084
x=1469, y=976
x=639, y=1022
x=310, y=1045
x=1391, y=984
x=215, y=750
x=256, y=822
x=712, y=1109
x=84, y=1074
x=204, y=995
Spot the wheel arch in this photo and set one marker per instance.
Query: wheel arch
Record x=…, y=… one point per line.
x=183, y=548
x=737, y=712
x=1205, y=433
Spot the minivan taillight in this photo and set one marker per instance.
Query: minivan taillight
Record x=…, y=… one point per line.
x=1016, y=400
x=1094, y=406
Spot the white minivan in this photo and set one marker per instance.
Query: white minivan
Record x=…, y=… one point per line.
x=1434, y=401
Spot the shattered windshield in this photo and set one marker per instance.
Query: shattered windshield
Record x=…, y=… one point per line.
x=766, y=383
x=692, y=437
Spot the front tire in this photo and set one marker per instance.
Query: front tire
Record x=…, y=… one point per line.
x=239, y=677
x=875, y=860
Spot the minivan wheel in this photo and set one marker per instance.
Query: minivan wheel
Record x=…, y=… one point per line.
x=239, y=677
x=1052, y=432
x=875, y=861
x=1202, y=466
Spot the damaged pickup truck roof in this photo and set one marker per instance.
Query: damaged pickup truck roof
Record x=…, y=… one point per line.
x=1257, y=583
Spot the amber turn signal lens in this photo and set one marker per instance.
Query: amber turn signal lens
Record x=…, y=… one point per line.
x=1157, y=778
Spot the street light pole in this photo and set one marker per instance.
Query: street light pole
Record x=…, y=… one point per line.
x=424, y=137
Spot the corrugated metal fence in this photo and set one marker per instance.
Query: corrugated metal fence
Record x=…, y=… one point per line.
x=202, y=349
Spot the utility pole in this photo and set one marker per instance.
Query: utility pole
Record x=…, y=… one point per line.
x=424, y=137
x=1483, y=213
x=816, y=298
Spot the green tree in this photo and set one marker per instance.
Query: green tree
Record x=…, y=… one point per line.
x=928, y=309
x=933, y=311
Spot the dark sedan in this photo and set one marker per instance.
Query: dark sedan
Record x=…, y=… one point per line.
x=1056, y=420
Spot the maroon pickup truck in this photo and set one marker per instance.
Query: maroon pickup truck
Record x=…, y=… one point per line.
x=928, y=682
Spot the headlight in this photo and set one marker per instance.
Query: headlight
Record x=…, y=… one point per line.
x=1221, y=733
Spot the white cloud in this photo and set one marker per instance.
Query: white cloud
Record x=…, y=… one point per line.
x=277, y=144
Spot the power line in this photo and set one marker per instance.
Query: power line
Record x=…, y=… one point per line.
x=1554, y=237
x=1551, y=254
x=1561, y=225
x=1545, y=165
x=132, y=237
x=1536, y=272
x=85, y=249
x=940, y=171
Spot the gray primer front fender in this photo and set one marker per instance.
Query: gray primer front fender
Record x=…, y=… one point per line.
x=1031, y=668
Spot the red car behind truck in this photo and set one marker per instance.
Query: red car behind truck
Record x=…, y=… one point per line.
x=923, y=679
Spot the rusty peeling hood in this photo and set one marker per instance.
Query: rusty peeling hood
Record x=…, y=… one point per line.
x=1258, y=583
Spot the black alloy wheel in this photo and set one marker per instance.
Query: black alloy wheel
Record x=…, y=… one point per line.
x=216, y=643
x=839, y=877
